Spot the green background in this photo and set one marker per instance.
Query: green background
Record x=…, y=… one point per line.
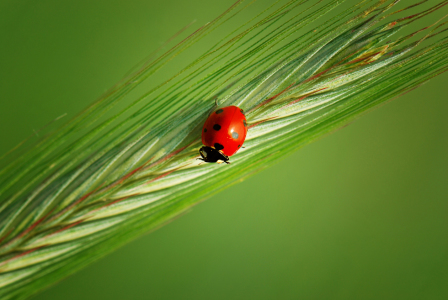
x=359, y=214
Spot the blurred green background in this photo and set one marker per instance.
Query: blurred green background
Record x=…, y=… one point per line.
x=359, y=214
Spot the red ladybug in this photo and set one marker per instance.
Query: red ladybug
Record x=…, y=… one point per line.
x=223, y=134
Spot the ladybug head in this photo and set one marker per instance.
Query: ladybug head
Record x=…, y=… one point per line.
x=212, y=155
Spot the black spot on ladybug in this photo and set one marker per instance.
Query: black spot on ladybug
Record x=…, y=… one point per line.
x=217, y=127
x=242, y=111
x=219, y=111
x=218, y=146
x=239, y=146
x=245, y=124
x=205, y=129
x=235, y=135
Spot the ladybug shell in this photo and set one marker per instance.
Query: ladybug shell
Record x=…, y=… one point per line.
x=225, y=130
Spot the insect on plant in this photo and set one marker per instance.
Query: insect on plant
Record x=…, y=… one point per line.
x=223, y=134
x=293, y=72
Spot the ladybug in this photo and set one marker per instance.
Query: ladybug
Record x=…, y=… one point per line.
x=223, y=134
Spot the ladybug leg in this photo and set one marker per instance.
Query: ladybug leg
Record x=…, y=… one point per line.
x=215, y=106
